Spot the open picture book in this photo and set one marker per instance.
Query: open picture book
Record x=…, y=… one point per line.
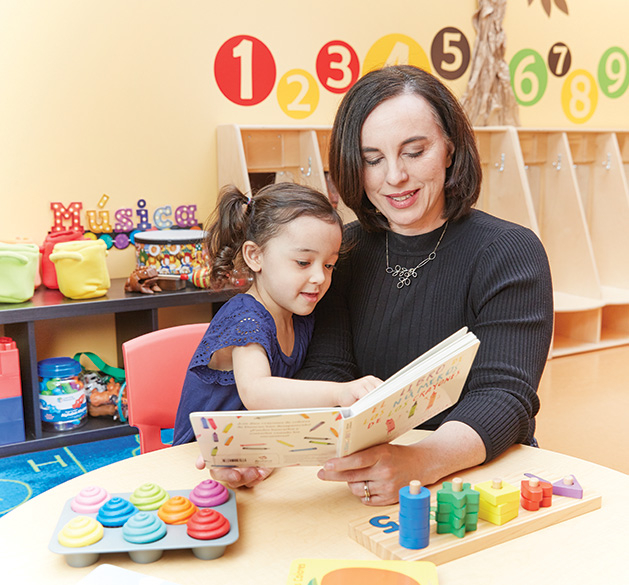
x=310, y=436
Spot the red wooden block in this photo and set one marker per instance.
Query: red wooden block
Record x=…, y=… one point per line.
x=530, y=489
x=529, y=505
x=547, y=493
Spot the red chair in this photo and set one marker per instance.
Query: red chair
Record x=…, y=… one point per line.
x=155, y=366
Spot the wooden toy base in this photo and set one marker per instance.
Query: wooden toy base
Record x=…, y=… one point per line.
x=447, y=547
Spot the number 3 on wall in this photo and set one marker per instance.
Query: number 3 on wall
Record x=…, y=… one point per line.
x=337, y=66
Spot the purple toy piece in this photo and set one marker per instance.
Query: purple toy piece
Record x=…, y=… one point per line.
x=569, y=487
x=536, y=477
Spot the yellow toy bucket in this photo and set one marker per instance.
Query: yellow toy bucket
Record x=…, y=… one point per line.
x=81, y=268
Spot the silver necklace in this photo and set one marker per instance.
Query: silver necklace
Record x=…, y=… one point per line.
x=404, y=274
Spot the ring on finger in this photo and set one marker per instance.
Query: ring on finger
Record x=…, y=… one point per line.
x=367, y=492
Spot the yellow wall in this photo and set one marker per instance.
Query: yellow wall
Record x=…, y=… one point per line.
x=589, y=30
x=119, y=96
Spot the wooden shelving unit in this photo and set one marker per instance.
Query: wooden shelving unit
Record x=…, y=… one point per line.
x=568, y=186
x=603, y=188
x=135, y=314
x=505, y=189
x=279, y=153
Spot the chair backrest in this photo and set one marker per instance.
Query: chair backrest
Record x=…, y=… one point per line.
x=155, y=367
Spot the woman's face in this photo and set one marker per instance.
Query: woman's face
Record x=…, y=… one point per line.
x=405, y=157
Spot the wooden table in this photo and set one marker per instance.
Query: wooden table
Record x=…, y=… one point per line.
x=293, y=514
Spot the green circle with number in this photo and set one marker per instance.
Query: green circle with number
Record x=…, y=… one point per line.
x=613, y=72
x=529, y=76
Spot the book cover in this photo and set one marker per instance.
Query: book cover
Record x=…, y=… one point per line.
x=350, y=572
x=311, y=436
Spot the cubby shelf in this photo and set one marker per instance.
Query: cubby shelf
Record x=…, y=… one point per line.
x=135, y=314
x=568, y=186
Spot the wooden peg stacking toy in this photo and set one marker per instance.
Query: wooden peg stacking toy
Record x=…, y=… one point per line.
x=499, y=501
x=414, y=517
x=457, y=508
x=568, y=486
x=535, y=494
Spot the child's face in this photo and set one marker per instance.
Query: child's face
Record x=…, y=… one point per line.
x=294, y=270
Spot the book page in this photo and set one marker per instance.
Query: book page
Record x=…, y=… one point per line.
x=425, y=396
x=267, y=438
x=424, y=363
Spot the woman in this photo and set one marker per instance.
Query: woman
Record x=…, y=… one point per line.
x=421, y=265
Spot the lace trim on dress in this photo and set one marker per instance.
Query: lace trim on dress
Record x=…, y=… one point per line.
x=247, y=322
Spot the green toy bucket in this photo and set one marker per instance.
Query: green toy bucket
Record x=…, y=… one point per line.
x=18, y=268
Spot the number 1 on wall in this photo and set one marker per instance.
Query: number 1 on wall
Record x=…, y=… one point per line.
x=245, y=71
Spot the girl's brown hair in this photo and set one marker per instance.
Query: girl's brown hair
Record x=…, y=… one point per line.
x=259, y=218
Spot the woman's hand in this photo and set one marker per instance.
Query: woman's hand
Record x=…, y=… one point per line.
x=377, y=474
x=235, y=477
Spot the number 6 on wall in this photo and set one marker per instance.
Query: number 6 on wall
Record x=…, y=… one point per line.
x=529, y=76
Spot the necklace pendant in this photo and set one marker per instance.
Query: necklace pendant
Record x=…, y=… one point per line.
x=404, y=275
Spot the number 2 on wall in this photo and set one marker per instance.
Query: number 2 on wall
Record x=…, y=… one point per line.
x=298, y=93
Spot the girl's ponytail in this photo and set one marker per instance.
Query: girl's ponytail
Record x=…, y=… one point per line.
x=226, y=232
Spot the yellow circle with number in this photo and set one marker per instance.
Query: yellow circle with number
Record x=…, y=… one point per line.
x=395, y=49
x=298, y=94
x=579, y=96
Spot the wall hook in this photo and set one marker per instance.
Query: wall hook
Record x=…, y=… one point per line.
x=309, y=172
x=501, y=165
x=608, y=163
x=557, y=163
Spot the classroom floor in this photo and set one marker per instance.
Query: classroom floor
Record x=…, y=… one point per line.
x=585, y=407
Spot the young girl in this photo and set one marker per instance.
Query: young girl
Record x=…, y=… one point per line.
x=287, y=237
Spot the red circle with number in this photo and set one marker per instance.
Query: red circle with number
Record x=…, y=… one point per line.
x=245, y=70
x=337, y=66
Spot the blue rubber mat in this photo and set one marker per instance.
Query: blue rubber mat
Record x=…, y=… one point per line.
x=25, y=476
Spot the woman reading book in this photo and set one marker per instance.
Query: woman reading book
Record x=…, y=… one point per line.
x=423, y=263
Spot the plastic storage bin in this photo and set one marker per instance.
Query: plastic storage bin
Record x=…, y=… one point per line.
x=61, y=394
x=19, y=264
x=81, y=268
x=11, y=410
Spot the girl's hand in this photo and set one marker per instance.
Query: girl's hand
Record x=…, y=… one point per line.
x=235, y=477
x=350, y=392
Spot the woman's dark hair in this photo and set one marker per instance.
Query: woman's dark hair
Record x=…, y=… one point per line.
x=463, y=177
x=239, y=218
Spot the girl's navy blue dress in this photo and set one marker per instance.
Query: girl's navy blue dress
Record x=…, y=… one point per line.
x=240, y=321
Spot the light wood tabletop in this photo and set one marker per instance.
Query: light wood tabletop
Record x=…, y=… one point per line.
x=294, y=515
